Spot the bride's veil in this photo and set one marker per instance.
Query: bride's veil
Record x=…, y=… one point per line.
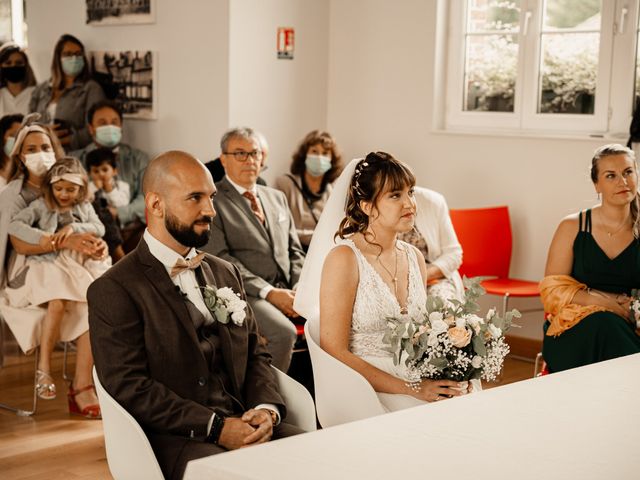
x=307, y=301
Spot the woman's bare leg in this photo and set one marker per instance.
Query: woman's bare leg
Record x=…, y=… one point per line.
x=83, y=375
x=50, y=333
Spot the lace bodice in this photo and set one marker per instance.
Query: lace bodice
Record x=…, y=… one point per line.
x=375, y=302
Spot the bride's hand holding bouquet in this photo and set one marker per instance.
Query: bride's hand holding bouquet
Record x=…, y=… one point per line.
x=450, y=341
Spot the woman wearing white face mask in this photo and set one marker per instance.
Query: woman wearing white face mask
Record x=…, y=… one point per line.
x=9, y=126
x=316, y=164
x=35, y=151
x=66, y=97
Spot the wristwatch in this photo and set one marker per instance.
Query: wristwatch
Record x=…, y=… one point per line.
x=216, y=428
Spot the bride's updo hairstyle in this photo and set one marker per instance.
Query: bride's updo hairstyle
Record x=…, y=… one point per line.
x=374, y=175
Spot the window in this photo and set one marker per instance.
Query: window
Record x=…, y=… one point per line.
x=561, y=66
x=12, y=26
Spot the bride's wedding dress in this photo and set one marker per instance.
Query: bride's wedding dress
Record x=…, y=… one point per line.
x=374, y=303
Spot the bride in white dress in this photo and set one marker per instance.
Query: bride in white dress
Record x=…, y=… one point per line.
x=368, y=275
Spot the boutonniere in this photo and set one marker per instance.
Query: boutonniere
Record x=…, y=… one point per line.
x=225, y=304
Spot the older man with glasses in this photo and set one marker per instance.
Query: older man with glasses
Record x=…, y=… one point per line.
x=254, y=230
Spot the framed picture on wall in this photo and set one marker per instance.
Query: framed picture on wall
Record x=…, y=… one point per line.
x=119, y=12
x=130, y=78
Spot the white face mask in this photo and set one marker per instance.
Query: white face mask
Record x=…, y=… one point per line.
x=39, y=163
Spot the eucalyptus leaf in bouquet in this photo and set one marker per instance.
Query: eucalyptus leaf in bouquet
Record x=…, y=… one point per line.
x=450, y=341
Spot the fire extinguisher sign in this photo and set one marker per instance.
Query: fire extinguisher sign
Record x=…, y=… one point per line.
x=285, y=43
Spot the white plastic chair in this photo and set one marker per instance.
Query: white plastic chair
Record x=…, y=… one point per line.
x=301, y=410
x=129, y=453
x=342, y=394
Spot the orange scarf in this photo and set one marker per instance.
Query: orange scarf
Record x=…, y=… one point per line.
x=556, y=293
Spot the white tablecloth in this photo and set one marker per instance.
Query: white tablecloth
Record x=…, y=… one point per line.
x=579, y=424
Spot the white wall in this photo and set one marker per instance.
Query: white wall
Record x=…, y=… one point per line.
x=284, y=99
x=381, y=66
x=192, y=41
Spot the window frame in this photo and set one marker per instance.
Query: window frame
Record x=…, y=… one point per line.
x=614, y=88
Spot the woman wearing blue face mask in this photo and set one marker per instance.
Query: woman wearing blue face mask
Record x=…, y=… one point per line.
x=65, y=99
x=316, y=164
x=9, y=126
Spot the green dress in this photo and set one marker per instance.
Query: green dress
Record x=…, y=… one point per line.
x=601, y=335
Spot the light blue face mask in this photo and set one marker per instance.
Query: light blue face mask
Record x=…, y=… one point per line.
x=73, y=65
x=317, y=165
x=108, y=135
x=8, y=145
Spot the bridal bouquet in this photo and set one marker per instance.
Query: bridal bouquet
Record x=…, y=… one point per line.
x=451, y=341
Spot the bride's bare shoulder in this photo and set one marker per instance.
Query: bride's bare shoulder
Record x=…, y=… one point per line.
x=341, y=253
x=340, y=276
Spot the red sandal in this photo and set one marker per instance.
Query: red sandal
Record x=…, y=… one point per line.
x=90, y=411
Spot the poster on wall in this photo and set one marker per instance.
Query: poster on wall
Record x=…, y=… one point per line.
x=119, y=12
x=132, y=79
x=285, y=43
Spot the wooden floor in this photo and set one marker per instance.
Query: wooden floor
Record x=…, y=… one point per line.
x=54, y=445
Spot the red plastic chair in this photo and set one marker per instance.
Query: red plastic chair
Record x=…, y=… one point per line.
x=485, y=236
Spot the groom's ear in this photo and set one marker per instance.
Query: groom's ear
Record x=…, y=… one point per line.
x=154, y=205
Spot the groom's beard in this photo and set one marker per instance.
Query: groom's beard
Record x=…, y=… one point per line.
x=186, y=234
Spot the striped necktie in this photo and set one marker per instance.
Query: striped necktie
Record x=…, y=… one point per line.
x=256, y=208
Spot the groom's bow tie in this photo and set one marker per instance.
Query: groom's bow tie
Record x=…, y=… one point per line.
x=182, y=265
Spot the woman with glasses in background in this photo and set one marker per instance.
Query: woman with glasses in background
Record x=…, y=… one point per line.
x=64, y=100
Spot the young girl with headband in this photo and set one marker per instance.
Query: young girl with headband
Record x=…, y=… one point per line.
x=58, y=276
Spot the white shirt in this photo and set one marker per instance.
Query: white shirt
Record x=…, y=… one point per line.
x=188, y=283
x=434, y=224
x=118, y=197
x=186, y=279
x=10, y=105
x=265, y=290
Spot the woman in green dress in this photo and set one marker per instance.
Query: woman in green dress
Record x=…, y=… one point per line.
x=593, y=264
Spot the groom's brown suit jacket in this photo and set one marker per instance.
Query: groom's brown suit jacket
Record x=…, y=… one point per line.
x=149, y=358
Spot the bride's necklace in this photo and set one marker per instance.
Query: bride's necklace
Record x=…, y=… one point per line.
x=393, y=276
x=617, y=229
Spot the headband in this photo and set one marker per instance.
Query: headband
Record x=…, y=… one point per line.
x=10, y=46
x=27, y=127
x=69, y=177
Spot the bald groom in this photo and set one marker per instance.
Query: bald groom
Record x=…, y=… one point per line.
x=198, y=383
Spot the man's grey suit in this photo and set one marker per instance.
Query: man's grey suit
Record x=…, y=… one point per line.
x=265, y=255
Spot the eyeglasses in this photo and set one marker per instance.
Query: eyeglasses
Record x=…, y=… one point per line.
x=243, y=156
x=70, y=54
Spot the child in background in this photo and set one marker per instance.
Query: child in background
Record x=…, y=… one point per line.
x=108, y=193
x=62, y=275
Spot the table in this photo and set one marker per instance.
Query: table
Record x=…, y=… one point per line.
x=578, y=424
